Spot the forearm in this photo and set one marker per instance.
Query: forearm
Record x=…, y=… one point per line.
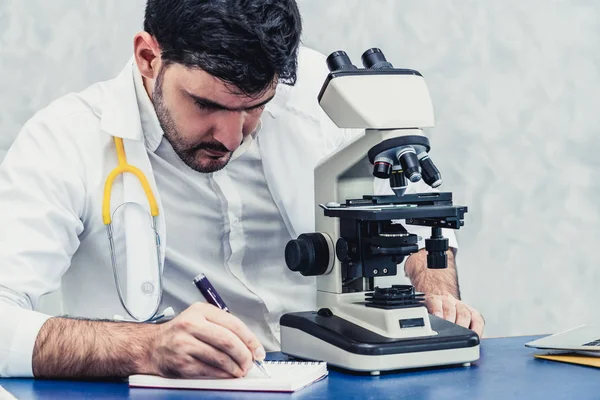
x=73, y=348
x=432, y=281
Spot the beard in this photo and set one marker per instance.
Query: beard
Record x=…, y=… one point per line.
x=189, y=153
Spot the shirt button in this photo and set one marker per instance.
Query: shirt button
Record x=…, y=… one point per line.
x=235, y=221
x=277, y=327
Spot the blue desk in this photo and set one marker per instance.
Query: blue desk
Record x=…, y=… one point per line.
x=506, y=370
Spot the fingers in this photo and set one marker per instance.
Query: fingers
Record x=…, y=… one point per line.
x=191, y=368
x=477, y=322
x=455, y=311
x=449, y=307
x=434, y=305
x=178, y=354
x=230, y=353
x=216, y=359
x=201, y=371
x=235, y=325
x=463, y=315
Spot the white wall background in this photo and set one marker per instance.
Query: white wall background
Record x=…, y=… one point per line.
x=516, y=91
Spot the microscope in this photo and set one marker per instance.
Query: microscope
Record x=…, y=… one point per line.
x=360, y=236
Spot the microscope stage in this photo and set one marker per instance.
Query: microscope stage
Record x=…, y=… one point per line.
x=436, y=208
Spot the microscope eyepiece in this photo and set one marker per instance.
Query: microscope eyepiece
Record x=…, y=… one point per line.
x=407, y=157
x=339, y=60
x=382, y=167
x=374, y=58
x=431, y=175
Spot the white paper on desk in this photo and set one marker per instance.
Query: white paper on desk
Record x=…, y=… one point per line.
x=286, y=376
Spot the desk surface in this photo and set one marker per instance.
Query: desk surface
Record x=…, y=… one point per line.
x=506, y=369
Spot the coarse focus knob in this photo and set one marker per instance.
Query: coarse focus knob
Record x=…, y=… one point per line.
x=309, y=254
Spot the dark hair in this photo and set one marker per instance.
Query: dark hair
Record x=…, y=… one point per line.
x=245, y=43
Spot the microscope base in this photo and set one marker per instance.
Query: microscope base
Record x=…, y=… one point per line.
x=310, y=336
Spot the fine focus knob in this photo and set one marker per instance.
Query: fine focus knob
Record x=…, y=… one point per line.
x=341, y=250
x=309, y=254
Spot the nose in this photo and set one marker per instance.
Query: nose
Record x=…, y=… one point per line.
x=229, y=130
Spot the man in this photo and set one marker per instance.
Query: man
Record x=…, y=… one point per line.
x=217, y=110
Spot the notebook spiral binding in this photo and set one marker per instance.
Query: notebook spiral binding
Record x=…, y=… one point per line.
x=293, y=362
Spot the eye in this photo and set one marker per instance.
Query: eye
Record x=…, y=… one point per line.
x=256, y=109
x=203, y=106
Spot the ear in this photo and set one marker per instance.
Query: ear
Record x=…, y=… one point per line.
x=147, y=55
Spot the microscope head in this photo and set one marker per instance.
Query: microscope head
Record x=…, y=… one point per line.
x=377, y=96
x=358, y=235
x=383, y=98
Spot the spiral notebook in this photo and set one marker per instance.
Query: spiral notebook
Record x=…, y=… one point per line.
x=286, y=376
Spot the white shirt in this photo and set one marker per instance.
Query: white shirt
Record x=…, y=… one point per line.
x=51, y=196
x=226, y=225
x=52, y=233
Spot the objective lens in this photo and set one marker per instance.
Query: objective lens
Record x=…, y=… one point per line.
x=382, y=167
x=374, y=58
x=410, y=163
x=398, y=182
x=431, y=175
x=339, y=60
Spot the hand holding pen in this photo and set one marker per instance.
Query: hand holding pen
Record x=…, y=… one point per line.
x=212, y=297
x=201, y=342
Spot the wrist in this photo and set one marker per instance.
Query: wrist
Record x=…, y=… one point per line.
x=415, y=265
x=145, y=342
x=432, y=281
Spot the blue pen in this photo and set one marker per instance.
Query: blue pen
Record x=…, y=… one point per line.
x=211, y=296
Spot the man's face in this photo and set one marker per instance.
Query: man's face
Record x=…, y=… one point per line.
x=202, y=118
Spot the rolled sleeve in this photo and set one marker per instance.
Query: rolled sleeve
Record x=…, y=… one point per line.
x=20, y=328
x=41, y=200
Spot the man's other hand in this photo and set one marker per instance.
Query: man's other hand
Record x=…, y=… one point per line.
x=454, y=310
x=204, y=341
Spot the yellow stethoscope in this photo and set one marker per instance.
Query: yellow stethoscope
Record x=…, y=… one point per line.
x=122, y=168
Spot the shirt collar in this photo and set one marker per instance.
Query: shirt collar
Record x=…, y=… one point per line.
x=153, y=132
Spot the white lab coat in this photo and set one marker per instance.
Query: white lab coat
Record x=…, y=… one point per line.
x=52, y=182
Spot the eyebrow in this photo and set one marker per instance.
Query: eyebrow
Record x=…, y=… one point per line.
x=217, y=106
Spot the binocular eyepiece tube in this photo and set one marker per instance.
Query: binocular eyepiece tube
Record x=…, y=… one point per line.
x=371, y=59
x=339, y=60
